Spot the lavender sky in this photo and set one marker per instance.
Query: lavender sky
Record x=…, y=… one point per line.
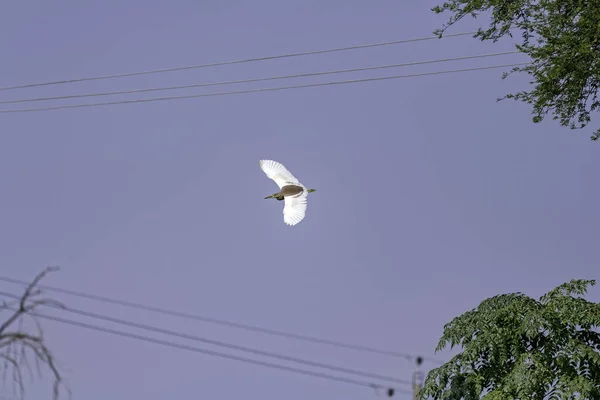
x=431, y=196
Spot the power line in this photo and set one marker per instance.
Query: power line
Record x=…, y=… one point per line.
x=257, y=90
x=210, y=352
x=216, y=321
x=288, y=55
x=255, y=79
x=219, y=343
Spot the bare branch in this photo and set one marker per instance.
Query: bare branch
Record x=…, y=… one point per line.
x=16, y=343
x=29, y=292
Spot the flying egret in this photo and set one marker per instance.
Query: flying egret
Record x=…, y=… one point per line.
x=292, y=191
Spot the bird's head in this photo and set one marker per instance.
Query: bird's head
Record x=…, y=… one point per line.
x=311, y=190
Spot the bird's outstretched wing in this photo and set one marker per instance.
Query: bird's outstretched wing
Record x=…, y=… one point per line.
x=278, y=173
x=295, y=208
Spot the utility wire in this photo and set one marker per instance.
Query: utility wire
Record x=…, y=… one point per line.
x=231, y=324
x=210, y=352
x=257, y=90
x=218, y=343
x=255, y=79
x=288, y=55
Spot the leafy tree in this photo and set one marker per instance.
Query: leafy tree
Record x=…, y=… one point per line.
x=18, y=345
x=562, y=38
x=516, y=347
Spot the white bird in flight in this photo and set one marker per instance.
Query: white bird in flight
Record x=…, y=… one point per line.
x=291, y=190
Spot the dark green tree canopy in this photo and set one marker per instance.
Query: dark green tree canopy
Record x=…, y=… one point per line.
x=562, y=38
x=516, y=347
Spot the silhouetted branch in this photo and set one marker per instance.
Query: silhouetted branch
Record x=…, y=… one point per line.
x=17, y=345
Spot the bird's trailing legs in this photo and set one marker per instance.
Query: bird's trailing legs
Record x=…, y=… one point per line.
x=277, y=196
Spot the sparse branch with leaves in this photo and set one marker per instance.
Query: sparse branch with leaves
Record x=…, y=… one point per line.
x=19, y=346
x=562, y=38
x=516, y=347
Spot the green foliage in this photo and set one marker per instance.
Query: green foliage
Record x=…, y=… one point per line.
x=562, y=38
x=515, y=347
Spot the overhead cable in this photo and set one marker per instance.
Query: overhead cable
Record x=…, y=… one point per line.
x=218, y=343
x=257, y=90
x=231, y=324
x=248, y=60
x=75, y=96
x=210, y=352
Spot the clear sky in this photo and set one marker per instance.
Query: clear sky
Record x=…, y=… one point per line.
x=431, y=196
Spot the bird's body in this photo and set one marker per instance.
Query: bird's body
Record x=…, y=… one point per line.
x=288, y=190
x=291, y=191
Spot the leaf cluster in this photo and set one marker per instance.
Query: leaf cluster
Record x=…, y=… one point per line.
x=562, y=38
x=516, y=347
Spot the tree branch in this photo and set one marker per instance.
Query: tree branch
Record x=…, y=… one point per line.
x=16, y=343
